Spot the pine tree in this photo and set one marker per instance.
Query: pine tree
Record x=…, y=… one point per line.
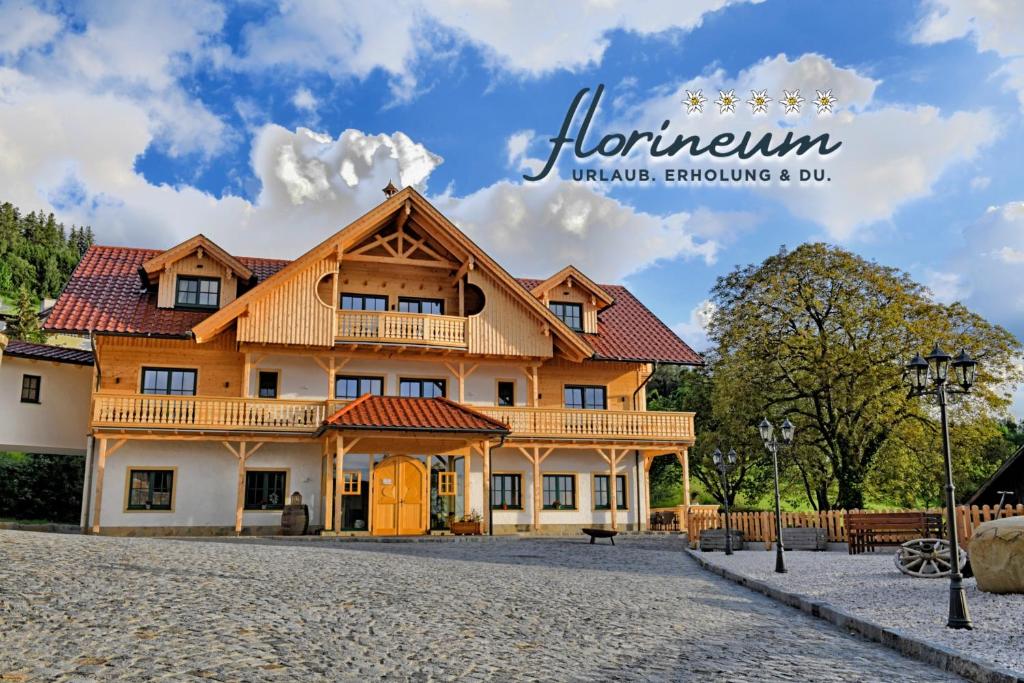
x=26, y=326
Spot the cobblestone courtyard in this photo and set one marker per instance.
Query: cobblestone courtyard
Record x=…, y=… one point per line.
x=85, y=608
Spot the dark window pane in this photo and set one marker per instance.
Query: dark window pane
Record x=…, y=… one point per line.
x=426, y=388
x=150, y=489
x=363, y=302
x=197, y=291
x=30, y=386
x=431, y=306
x=587, y=398
x=569, y=313
x=354, y=387
x=169, y=382
x=268, y=385
x=559, y=490
x=601, y=499
x=264, y=490
x=506, y=491
x=506, y=393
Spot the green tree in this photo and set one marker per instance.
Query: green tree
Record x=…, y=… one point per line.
x=26, y=325
x=821, y=335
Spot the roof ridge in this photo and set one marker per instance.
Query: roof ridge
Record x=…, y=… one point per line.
x=344, y=409
x=473, y=411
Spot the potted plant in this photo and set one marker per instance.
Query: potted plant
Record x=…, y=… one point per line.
x=469, y=525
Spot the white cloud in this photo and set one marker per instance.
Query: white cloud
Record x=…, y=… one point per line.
x=695, y=329
x=534, y=229
x=993, y=267
x=304, y=99
x=980, y=182
x=995, y=26
x=23, y=26
x=890, y=155
x=946, y=287
x=355, y=39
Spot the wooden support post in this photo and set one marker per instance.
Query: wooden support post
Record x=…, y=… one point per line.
x=330, y=379
x=613, y=486
x=536, y=388
x=329, y=493
x=369, y=496
x=339, y=476
x=247, y=370
x=486, y=452
x=240, y=493
x=101, y=465
x=462, y=298
x=538, y=491
x=467, y=464
x=684, y=460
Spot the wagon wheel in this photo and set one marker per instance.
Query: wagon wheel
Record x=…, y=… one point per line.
x=926, y=557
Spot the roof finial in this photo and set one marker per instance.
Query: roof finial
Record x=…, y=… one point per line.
x=390, y=190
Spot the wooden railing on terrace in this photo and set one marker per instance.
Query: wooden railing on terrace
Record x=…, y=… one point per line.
x=584, y=424
x=402, y=328
x=760, y=526
x=190, y=412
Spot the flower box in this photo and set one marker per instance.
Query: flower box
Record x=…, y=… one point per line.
x=466, y=528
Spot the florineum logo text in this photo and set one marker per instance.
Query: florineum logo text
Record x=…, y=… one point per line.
x=661, y=147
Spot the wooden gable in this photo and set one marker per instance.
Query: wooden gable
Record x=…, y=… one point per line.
x=198, y=257
x=402, y=247
x=572, y=286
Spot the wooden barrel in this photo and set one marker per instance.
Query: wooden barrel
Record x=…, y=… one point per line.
x=295, y=520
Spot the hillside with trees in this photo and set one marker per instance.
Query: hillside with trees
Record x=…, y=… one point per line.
x=37, y=256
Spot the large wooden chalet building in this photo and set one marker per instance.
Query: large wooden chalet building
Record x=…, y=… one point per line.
x=394, y=375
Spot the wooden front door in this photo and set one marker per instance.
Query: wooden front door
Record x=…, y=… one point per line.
x=399, y=497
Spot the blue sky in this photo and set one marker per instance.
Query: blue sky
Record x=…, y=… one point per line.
x=268, y=126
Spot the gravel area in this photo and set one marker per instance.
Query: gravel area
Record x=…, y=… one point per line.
x=79, y=608
x=870, y=586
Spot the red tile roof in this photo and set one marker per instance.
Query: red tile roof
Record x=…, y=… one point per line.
x=412, y=414
x=628, y=331
x=57, y=354
x=105, y=295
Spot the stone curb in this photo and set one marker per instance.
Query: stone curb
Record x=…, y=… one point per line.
x=940, y=656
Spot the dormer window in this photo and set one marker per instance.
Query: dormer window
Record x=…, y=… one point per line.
x=197, y=292
x=568, y=313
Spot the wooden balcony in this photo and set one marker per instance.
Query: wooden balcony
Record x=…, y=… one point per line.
x=216, y=414
x=137, y=411
x=401, y=328
x=612, y=425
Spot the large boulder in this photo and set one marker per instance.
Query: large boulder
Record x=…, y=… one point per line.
x=997, y=555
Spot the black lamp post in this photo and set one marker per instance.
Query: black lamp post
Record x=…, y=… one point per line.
x=772, y=444
x=725, y=465
x=929, y=376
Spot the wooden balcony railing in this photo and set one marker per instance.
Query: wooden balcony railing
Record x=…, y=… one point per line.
x=199, y=413
x=402, y=328
x=144, y=411
x=599, y=424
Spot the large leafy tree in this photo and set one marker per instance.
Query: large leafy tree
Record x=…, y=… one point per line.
x=821, y=335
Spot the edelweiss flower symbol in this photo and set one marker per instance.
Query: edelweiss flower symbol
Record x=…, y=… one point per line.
x=792, y=100
x=726, y=101
x=694, y=102
x=759, y=101
x=824, y=100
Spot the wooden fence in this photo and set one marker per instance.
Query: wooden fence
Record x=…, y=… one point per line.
x=760, y=526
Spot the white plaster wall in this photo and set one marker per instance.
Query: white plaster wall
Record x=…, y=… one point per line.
x=205, y=482
x=59, y=423
x=585, y=464
x=303, y=378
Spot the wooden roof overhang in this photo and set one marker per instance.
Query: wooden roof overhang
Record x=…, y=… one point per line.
x=201, y=243
x=575, y=276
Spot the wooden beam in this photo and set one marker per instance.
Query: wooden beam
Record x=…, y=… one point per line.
x=467, y=464
x=613, y=460
x=247, y=370
x=486, y=452
x=241, y=492
x=101, y=466
x=427, y=263
x=339, y=478
x=469, y=265
x=329, y=493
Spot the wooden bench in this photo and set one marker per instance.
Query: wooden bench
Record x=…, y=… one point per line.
x=867, y=530
x=595, y=534
x=714, y=539
x=804, y=538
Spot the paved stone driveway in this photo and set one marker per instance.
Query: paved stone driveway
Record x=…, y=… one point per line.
x=84, y=608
